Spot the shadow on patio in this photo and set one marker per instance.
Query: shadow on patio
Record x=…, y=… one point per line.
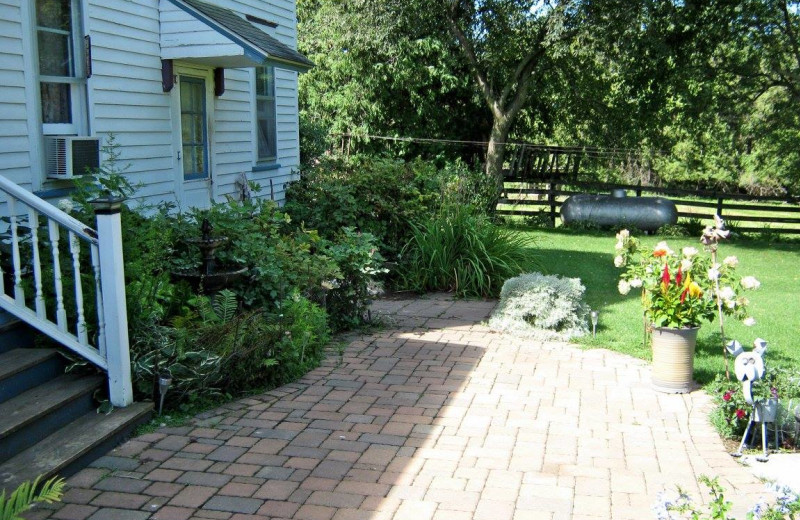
x=433, y=418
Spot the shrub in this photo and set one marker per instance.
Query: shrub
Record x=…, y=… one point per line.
x=381, y=196
x=541, y=307
x=359, y=263
x=373, y=195
x=280, y=256
x=266, y=330
x=216, y=349
x=458, y=250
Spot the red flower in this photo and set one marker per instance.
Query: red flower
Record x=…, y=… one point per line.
x=665, y=278
x=727, y=396
x=678, y=277
x=740, y=413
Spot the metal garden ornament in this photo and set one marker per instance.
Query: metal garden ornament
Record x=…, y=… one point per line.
x=749, y=368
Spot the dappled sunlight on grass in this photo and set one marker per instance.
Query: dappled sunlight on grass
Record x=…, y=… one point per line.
x=775, y=306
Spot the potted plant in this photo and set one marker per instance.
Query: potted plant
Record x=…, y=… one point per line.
x=679, y=291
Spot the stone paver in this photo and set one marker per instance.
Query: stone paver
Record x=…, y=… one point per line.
x=435, y=417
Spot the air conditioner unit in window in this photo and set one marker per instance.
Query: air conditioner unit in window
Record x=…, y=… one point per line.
x=68, y=156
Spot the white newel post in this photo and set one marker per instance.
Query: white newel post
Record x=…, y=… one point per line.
x=112, y=282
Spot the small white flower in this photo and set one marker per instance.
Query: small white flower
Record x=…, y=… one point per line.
x=686, y=265
x=749, y=282
x=624, y=287
x=622, y=235
x=713, y=274
x=731, y=261
x=727, y=293
x=689, y=252
x=619, y=245
x=619, y=261
x=66, y=205
x=731, y=304
x=749, y=321
x=636, y=282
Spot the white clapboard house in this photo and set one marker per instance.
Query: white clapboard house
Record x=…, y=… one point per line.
x=200, y=97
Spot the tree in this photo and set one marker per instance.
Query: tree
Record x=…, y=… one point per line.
x=510, y=46
x=384, y=70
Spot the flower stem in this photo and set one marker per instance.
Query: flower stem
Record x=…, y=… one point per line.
x=719, y=311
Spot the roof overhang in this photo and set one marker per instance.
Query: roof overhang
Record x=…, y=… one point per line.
x=218, y=37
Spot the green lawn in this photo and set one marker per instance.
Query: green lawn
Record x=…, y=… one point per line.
x=775, y=306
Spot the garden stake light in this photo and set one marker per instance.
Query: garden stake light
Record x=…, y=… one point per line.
x=594, y=316
x=164, y=382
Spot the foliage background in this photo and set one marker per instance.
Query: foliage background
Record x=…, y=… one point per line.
x=702, y=92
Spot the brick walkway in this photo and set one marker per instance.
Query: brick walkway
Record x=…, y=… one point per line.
x=436, y=418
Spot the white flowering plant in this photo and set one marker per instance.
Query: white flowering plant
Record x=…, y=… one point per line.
x=680, y=506
x=683, y=288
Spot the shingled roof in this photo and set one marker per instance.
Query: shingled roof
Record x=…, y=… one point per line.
x=261, y=42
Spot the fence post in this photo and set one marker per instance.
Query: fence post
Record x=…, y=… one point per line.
x=112, y=283
x=639, y=188
x=551, y=197
x=719, y=206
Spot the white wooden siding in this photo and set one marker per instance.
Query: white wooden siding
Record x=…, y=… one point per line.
x=126, y=99
x=15, y=146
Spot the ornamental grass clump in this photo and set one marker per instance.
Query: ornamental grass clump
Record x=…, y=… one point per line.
x=542, y=307
x=459, y=250
x=683, y=289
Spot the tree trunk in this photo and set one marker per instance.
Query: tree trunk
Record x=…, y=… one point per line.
x=496, y=151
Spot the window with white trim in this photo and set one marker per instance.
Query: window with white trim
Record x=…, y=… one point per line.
x=62, y=78
x=265, y=115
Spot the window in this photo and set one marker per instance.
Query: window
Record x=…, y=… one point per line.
x=265, y=114
x=193, y=127
x=61, y=75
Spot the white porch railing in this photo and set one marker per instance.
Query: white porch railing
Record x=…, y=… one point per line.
x=45, y=253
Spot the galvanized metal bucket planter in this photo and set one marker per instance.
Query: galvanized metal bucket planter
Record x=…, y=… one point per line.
x=766, y=411
x=673, y=359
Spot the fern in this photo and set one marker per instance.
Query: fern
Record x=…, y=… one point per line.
x=225, y=305
x=219, y=309
x=26, y=495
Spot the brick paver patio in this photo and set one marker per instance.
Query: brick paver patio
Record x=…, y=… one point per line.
x=434, y=418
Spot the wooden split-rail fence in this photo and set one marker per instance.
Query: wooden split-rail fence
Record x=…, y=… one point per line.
x=540, y=178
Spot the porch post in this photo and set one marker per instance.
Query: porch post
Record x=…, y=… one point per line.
x=112, y=283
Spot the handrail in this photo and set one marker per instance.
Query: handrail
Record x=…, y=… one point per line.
x=58, y=311
x=42, y=206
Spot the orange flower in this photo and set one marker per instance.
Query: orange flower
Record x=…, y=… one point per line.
x=662, y=249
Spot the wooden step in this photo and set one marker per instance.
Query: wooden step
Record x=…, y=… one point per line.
x=42, y=410
x=24, y=368
x=13, y=332
x=73, y=446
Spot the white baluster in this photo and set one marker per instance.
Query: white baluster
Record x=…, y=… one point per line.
x=61, y=312
x=33, y=219
x=101, y=319
x=75, y=249
x=19, y=293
